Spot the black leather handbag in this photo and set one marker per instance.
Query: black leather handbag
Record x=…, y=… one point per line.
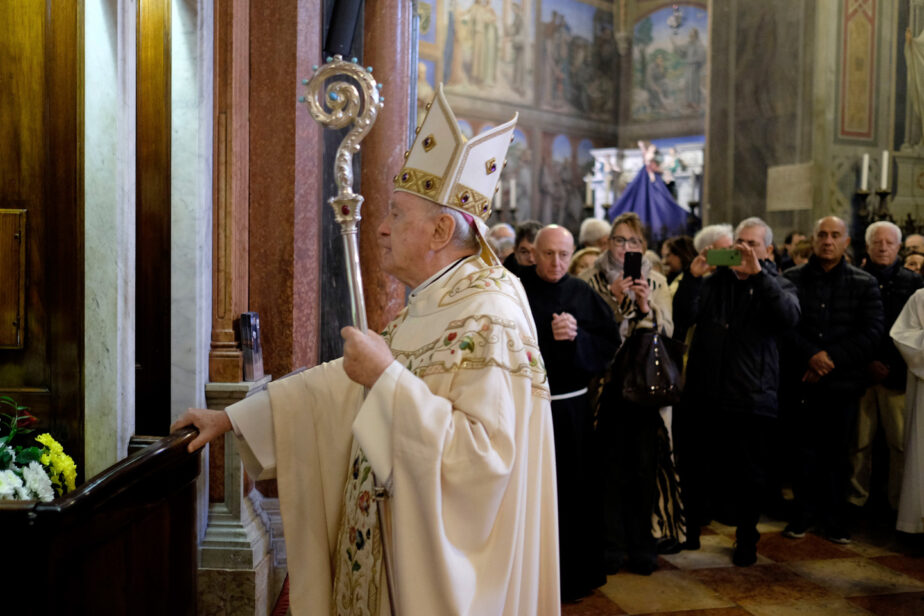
x=648, y=366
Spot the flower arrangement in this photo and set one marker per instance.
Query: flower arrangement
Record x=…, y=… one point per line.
x=29, y=471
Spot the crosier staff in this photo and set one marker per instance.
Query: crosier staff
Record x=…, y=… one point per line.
x=350, y=95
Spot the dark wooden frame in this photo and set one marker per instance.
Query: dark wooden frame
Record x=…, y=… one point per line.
x=122, y=543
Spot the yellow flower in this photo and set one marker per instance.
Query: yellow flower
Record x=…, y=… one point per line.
x=61, y=468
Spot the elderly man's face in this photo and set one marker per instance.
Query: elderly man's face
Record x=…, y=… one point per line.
x=755, y=237
x=829, y=243
x=404, y=236
x=553, y=250
x=883, y=247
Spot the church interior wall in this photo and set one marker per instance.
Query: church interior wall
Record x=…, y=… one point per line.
x=555, y=63
x=109, y=219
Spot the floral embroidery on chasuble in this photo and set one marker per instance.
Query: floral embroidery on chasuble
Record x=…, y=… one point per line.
x=358, y=570
x=448, y=327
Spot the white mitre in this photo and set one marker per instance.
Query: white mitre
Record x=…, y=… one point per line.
x=445, y=168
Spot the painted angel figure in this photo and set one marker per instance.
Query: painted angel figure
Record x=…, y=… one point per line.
x=675, y=20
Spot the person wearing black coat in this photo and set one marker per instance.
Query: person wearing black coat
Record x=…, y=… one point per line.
x=824, y=376
x=731, y=383
x=883, y=403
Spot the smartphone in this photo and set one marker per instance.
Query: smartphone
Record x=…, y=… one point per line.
x=723, y=256
x=632, y=265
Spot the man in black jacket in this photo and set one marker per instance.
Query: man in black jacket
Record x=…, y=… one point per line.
x=732, y=380
x=824, y=374
x=884, y=400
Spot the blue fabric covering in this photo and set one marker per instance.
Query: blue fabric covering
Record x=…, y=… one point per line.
x=654, y=204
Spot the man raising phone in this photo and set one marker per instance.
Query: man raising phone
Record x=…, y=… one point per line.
x=732, y=382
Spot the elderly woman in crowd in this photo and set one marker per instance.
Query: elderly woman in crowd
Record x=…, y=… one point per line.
x=642, y=504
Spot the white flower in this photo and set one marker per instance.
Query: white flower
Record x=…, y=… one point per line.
x=38, y=482
x=9, y=482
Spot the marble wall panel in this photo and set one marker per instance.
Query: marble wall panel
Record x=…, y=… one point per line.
x=109, y=219
x=760, y=101
x=191, y=202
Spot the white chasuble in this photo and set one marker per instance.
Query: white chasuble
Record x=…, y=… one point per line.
x=459, y=425
x=908, y=335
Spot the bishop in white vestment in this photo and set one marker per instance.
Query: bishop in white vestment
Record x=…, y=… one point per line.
x=456, y=422
x=908, y=335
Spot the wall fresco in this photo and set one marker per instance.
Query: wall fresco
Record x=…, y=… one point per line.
x=669, y=63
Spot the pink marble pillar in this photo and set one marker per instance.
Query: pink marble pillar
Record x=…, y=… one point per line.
x=285, y=182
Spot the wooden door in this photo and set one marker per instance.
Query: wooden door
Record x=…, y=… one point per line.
x=41, y=176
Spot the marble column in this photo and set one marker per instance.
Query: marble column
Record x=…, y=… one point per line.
x=109, y=227
x=191, y=202
x=231, y=195
x=386, y=47
x=285, y=189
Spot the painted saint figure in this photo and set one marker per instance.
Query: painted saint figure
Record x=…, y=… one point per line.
x=694, y=54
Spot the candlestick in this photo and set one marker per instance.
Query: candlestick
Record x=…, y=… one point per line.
x=885, y=169
x=497, y=201
x=864, y=173
x=513, y=194
x=588, y=193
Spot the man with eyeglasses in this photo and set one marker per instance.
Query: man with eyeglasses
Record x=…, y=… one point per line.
x=731, y=386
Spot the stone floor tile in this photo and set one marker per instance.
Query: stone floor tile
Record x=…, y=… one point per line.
x=597, y=604
x=853, y=577
x=869, y=550
x=908, y=565
x=826, y=607
x=715, y=611
x=780, y=549
x=905, y=604
x=662, y=591
x=760, y=584
x=715, y=551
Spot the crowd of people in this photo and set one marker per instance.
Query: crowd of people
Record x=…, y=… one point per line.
x=795, y=359
x=484, y=453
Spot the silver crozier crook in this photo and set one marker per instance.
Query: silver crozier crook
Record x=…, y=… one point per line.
x=339, y=94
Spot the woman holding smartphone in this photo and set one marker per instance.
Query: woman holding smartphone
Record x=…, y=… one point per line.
x=641, y=497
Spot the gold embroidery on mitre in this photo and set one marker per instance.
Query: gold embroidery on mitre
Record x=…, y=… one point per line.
x=420, y=182
x=471, y=201
x=429, y=142
x=490, y=166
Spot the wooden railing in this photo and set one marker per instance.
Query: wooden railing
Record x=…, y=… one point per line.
x=122, y=543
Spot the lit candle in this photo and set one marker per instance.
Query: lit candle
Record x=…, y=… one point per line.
x=864, y=173
x=497, y=201
x=885, y=170
x=513, y=194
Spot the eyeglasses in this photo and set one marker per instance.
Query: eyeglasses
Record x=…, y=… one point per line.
x=622, y=241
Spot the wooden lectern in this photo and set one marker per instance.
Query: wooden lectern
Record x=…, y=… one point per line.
x=122, y=543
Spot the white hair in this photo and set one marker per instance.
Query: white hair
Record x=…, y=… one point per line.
x=710, y=233
x=754, y=221
x=502, y=225
x=883, y=224
x=592, y=230
x=463, y=236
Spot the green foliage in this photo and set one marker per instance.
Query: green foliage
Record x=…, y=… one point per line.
x=643, y=36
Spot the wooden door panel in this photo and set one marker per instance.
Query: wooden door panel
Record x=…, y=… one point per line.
x=41, y=171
